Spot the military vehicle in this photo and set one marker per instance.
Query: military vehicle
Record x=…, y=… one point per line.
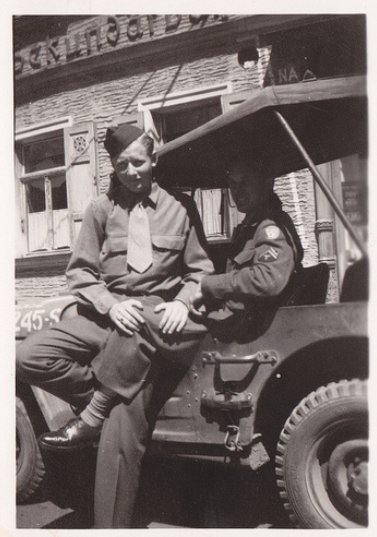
x=292, y=396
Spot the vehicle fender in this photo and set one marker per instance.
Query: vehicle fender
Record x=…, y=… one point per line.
x=304, y=371
x=34, y=317
x=38, y=316
x=56, y=412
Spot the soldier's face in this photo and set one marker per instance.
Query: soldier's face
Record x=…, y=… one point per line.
x=247, y=188
x=133, y=167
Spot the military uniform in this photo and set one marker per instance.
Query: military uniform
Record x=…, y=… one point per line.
x=63, y=359
x=264, y=255
x=60, y=359
x=130, y=245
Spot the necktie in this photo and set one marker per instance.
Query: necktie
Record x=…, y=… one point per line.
x=139, y=252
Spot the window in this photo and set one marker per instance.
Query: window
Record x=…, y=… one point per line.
x=55, y=173
x=179, y=120
x=44, y=185
x=172, y=122
x=347, y=178
x=354, y=200
x=170, y=117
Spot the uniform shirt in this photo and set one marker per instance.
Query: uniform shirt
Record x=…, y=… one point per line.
x=265, y=253
x=98, y=274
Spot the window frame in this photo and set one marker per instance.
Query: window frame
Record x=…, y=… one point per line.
x=23, y=137
x=179, y=101
x=167, y=103
x=184, y=97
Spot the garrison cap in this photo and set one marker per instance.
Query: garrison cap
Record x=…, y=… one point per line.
x=118, y=138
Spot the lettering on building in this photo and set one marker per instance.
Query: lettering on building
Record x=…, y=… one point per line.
x=106, y=33
x=279, y=73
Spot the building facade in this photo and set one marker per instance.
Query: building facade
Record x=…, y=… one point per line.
x=77, y=75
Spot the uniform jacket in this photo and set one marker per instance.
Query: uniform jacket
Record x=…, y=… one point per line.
x=98, y=274
x=265, y=253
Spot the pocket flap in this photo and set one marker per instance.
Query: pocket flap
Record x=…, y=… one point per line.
x=168, y=242
x=116, y=244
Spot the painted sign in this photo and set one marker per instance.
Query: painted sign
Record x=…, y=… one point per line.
x=317, y=50
x=288, y=72
x=99, y=35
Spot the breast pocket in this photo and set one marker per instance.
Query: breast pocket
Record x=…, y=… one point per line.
x=113, y=257
x=115, y=245
x=167, y=254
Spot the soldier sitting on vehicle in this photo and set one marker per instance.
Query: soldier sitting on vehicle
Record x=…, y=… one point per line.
x=264, y=255
x=138, y=259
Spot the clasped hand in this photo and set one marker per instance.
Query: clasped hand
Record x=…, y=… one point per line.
x=127, y=317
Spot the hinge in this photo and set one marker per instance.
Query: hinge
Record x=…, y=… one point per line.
x=260, y=357
x=226, y=400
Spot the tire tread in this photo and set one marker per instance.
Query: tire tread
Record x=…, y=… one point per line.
x=38, y=474
x=321, y=396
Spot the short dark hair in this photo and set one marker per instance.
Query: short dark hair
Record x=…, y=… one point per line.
x=247, y=159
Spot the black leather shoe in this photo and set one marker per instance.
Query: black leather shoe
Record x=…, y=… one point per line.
x=76, y=434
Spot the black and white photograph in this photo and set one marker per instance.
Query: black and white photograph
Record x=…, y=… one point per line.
x=193, y=190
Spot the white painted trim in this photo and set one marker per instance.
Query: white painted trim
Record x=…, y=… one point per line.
x=27, y=177
x=38, y=129
x=182, y=97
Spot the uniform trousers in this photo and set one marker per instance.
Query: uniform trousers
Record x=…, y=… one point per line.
x=69, y=358
x=58, y=359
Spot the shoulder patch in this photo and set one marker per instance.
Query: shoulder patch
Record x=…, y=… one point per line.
x=272, y=232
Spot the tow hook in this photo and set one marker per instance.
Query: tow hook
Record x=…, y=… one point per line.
x=232, y=438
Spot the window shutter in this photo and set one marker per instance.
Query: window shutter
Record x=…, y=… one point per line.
x=81, y=163
x=20, y=208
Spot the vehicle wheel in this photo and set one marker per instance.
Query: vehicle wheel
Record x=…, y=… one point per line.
x=30, y=466
x=322, y=458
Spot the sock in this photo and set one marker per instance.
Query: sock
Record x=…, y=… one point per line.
x=95, y=413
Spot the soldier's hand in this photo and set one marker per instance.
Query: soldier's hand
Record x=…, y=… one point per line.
x=126, y=317
x=174, y=317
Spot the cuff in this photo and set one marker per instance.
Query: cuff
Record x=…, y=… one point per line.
x=104, y=303
x=183, y=302
x=215, y=287
x=186, y=293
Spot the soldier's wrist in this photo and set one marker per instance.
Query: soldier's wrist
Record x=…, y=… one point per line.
x=182, y=301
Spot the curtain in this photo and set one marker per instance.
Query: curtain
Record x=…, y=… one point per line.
x=38, y=231
x=61, y=228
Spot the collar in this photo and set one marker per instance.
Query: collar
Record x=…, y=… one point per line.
x=131, y=200
x=250, y=220
x=262, y=212
x=153, y=196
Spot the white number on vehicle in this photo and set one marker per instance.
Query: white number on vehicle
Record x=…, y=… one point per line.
x=26, y=321
x=55, y=315
x=18, y=315
x=38, y=319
